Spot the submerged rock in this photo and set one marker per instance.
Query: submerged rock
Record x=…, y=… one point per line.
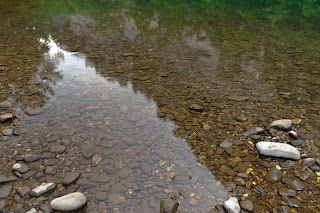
x=275, y=149
x=6, y=179
x=5, y=117
x=5, y=191
x=247, y=205
x=281, y=124
x=253, y=131
x=5, y=104
x=274, y=175
x=181, y=178
x=20, y=167
x=42, y=189
x=35, y=111
x=70, y=178
x=168, y=206
x=70, y=202
x=232, y=205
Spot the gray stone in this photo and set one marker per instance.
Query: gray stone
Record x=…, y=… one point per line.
x=275, y=149
x=22, y=191
x=307, y=162
x=20, y=167
x=3, y=204
x=5, y=104
x=232, y=205
x=101, y=196
x=168, y=206
x=143, y=209
x=5, y=191
x=7, y=132
x=5, y=117
x=281, y=124
x=6, y=179
x=253, y=131
x=57, y=148
x=181, y=178
x=100, y=178
x=31, y=158
x=274, y=175
x=32, y=112
x=70, y=178
x=246, y=205
x=46, y=208
x=33, y=210
x=226, y=143
x=70, y=202
x=125, y=172
x=43, y=189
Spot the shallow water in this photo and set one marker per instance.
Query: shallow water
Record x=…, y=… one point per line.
x=115, y=89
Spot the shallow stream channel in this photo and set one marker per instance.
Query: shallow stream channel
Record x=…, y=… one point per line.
x=157, y=106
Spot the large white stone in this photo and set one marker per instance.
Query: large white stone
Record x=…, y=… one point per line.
x=70, y=202
x=232, y=205
x=275, y=149
x=281, y=124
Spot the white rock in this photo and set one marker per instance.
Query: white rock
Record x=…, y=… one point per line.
x=275, y=149
x=232, y=205
x=33, y=210
x=42, y=189
x=70, y=202
x=281, y=124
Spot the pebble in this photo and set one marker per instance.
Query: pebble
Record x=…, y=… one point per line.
x=241, y=118
x=274, y=175
x=285, y=209
x=5, y=104
x=297, y=185
x=3, y=204
x=232, y=205
x=42, y=189
x=101, y=196
x=100, y=178
x=31, y=158
x=125, y=172
x=5, y=191
x=6, y=179
x=296, y=142
x=96, y=159
x=57, y=148
x=143, y=209
x=281, y=124
x=317, y=161
x=22, y=191
x=287, y=192
x=5, y=117
x=70, y=178
x=181, y=178
x=50, y=162
x=294, y=202
x=7, y=132
x=195, y=107
x=33, y=210
x=275, y=149
x=246, y=205
x=20, y=167
x=70, y=202
x=51, y=170
x=168, y=206
x=46, y=208
x=307, y=162
x=226, y=143
x=32, y=112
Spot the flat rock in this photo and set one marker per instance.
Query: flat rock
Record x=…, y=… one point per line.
x=143, y=209
x=7, y=132
x=20, y=167
x=181, y=178
x=281, y=124
x=101, y=196
x=5, y=191
x=43, y=189
x=51, y=162
x=100, y=178
x=253, y=131
x=226, y=143
x=307, y=162
x=70, y=178
x=246, y=205
x=5, y=104
x=273, y=175
x=22, y=191
x=168, y=206
x=6, y=179
x=125, y=172
x=32, y=112
x=3, y=204
x=5, y=117
x=31, y=158
x=57, y=148
x=70, y=202
x=275, y=149
x=232, y=205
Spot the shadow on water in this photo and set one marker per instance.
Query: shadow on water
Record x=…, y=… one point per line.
x=139, y=102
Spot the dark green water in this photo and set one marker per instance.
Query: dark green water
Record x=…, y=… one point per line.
x=113, y=82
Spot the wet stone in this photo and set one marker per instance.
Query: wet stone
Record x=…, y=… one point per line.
x=70, y=178
x=31, y=158
x=260, y=190
x=281, y=124
x=46, y=208
x=101, y=196
x=287, y=192
x=317, y=161
x=51, y=170
x=285, y=209
x=24, y=190
x=143, y=209
x=51, y=162
x=241, y=118
x=168, y=206
x=100, y=178
x=43, y=189
x=229, y=186
x=3, y=204
x=6, y=179
x=181, y=178
x=125, y=172
x=226, y=143
x=220, y=208
x=33, y=210
x=5, y=104
x=57, y=148
x=296, y=143
x=87, y=154
x=246, y=205
x=297, y=185
x=294, y=202
x=5, y=191
x=70, y=202
x=275, y=149
x=195, y=107
x=5, y=117
x=96, y=159
x=274, y=175
x=7, y=132
x=307, y=162
x=232, y=205
x=32, y=112
x=20, y=167
x=239, y=181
